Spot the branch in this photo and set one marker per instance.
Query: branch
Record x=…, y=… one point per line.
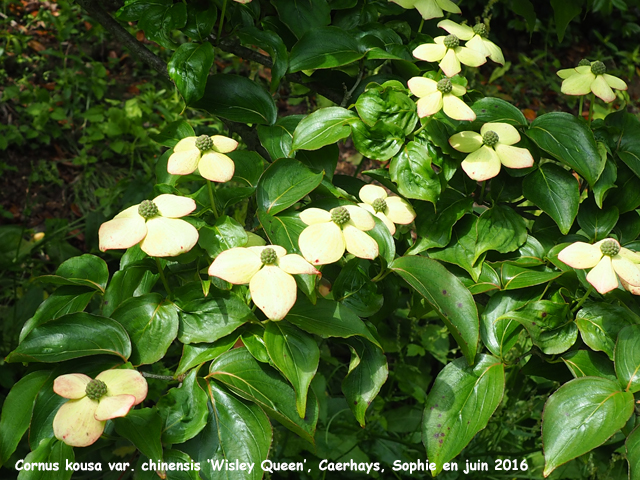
x=141, y=52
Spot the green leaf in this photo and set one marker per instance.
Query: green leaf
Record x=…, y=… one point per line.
x=64, y=300
x=448, y=297
x=587, y=363
x=226, y=233
x=627, y=358
x=249, y=168
x=201, y=18
x=324, y=47
x=183, y=411
x=564, y=11
x=597, y=223
x=302, y=15
x=626, y=138
x=580, y=416
x=238, y=99
x=49, y=451
x=199, y=353
x=283, y=230
x=606, y=182
x=556, y=192
x=460, y=404
x=236, y=431
x=568, y=140
x=173, y=133
x=85, y=271
x=496, y=110
x=143, y=428
x=208, y=319
x=17, y=410
x=284, y=183
x=73, y=336
x=323, y=127
x=600, y=323
x=499, y=228
x=367, y=373
x=626, y=197
x=273, y=44
x=189, y=68
x=278, y=139
x=258, y=382
x=296, y=355
x=160, y=20
x=514, y=277
x=381, y=234
x=353, y=287
x=633, y=453
x=328, y=318
x=460, y=250
x=499, y=333
x=525, y=9
x=152, y=325
x=379, y=143
x=412, y=171
x=387, y=105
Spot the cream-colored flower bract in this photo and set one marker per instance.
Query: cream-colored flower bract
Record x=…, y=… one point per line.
x=206, y=154
x=490, y=149
x=450, y=54
x=80, y=421
x=606, y=259
x=429, y=8
x=442, y=95
x=268, y=272
x=476, y=39
x=390, y=210
x=590, y=77
x=329, y=233
x=156, y=223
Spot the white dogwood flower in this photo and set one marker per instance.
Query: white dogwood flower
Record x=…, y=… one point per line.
x=390, y=210
x=206, y=154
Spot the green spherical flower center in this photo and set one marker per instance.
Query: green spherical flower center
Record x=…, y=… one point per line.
x=610, y=247
x=340, y=216
x=204, y=143
x=147, y=209
x=379, y=205
x=584, y=63
x=445, y=85
x=96, y=389
x=598, y=68
x=480, y=29
x=451, y=41
x=268, y=256
x=490, y=138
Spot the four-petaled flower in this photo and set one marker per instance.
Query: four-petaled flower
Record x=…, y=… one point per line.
x=80, y=421
x=442, y=95
x=590, y=77
x=490, y=149
x=206, y=154
x=476, y=39
x=429, y=8
x=448, y=51
x=390, y=210
x=268, y=272
x=156, y=223
x=329, y=233
x=606, y=259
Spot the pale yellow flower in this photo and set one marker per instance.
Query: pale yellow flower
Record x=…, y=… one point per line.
x=490, y=149
x=329, y=233
x=476, y=39
x=268, y=271
x=450, y=54
x=206, y=154
x=442, y=95
x=590, y=77
x=606, y=259
x=156, y=223
x=390, y=210
x=429, y=8
x=81, y=420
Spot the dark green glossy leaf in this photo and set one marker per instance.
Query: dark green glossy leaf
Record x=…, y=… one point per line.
x=597, y=223
x=514, y=277
x=367, y=373
x=278, y=139
x=226, y=233
x=143, y=428
x=258, y=382
x=600, y=324
x=302, y=15
x=85, y=270
x=626, y=197
x=353, y=287
x=129, y=282
x=587, y=363
x=563, y=12
x=323, y=127
x=183, y=411
x=381, y=234
x=283, y=230
x=296, y=355
x=499, y=228
x=273, y=44
x=152, y=325
x=379, y=143
x=324, y=47
x=387, y=105
x=556, y=192
x=49, y=452
x=238, y=99
x=189, y=68
x=201, y=17
x=580, y=416
x=284, y=183
x=73, y=336
x=173, y=133
x=448, y=297
x=626, y=138
x=253, y=338
x=633, y=453
x=459, y=405
x=412, y=171
x=627, y=358
x=199, y=353
x=606, y=182
x=460, y=250
x=496, y=110
x=159, y=21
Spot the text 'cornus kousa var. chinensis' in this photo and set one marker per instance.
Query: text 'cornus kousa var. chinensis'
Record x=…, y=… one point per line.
x=268, y=271
x=206, y=154
x=92, y=402
x=155, y=224
x=606, y=258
